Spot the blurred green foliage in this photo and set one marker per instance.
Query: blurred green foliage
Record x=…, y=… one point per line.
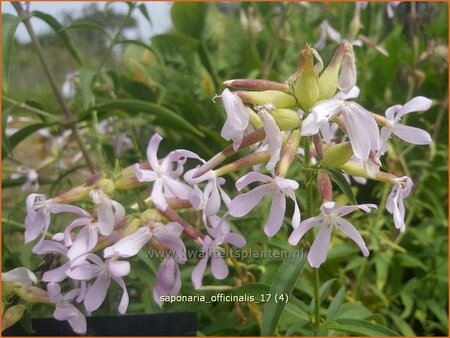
x=403, y=285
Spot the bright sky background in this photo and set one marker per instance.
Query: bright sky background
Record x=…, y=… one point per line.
x=159, y=13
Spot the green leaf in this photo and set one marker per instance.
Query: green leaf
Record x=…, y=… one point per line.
x=336, y=303
x=143, y=45
x=402, y=325
x=338, y=178
x=360, y=327
x=87, y=26
x=144, y=12
x=59, y=29
x=189, y=18
x=295, y=328
x=9, y=26
x=283, y=283
x=323, y=291
x=163, y=116
x=23, y=133
x=353, y=311
x=86, y=77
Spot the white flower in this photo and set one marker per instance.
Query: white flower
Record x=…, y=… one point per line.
x=237, y=118
x=22, y=276
x=406, y=133
x=394, y=203
x=360, y=125
x=331, y=217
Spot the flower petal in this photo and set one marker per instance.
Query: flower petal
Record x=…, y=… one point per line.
x=124, y=300
x=347, y=228
x=234, y=239
x=252, y=177
x=96, y=294
x=319, y=250
x=362, y=130
x=303, y=228
x=22, y=276
x=276, y=216
x=119, y=268
x=418, y=103
x=198, y=272
x=152, y=151
x=129, y=245
x=411, y=134
x=56, y=275
x=219, y=268
x=144, y=175
x=242, y=204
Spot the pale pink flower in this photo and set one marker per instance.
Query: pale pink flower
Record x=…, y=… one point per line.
x=406, y=133
x=31, y=178
x=168, y=280
x=22, y=276
x=104, y=272
x=211, y=249
x=328, y=32
x=39, y=211
x=331, y=217
x=65, y=310
x=46, y=247
x=360, y=125
x=394, y=203
x=237, y=118
x=109, y=213
x=166, y=234
x=164, y=177
x=210, y=199
x=279, y=188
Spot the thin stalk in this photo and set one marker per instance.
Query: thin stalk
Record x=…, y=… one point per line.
x=70, y=117
x=115, y=38
x=309, y=211
x=316, y=299
x=30, y=108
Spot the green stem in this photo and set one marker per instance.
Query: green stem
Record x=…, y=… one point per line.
x=316, y=299
x=30, y=108
x=69, y=115
x=115, y=38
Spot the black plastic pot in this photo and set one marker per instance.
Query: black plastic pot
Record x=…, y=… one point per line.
x=158, y=324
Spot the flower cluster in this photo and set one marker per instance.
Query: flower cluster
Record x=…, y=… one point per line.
x=278, y=122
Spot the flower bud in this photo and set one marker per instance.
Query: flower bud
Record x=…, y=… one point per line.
x=12, y=315
x=254, y=118
x=359, y=169
x=76, y=194
x=151, y=216
x=337, y=155
x=106, y=185
x=277, y=98
x=127, y=179
x=244, y=162
x=288, y=153
x=325, y=186
x=251, y=84
x=306, y=88
x=287, y=119
x=343, y=61
x=248, y=140
x=33, y=294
